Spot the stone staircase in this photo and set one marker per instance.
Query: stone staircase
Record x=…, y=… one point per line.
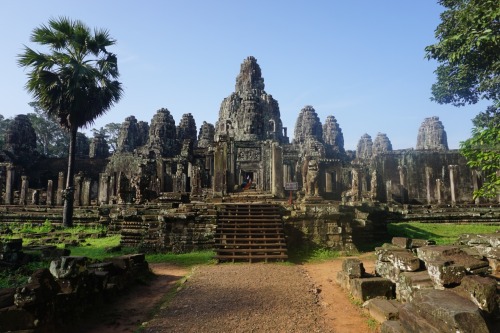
x=250, y=233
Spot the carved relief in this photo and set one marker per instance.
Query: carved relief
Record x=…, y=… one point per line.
x=249, y=154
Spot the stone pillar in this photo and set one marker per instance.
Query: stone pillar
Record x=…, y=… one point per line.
x=9, y=182
x=1, y=189
x=439, y=187
x=112, y=186
x=475, y=184
x=374, y=186
x=78, y=190
x=60, y=189
x=219, y=183
x=388, y=191
x=428, y=184
x=23, y=196
x=277, y=186
x=328, y=182
x=402, y=182
x=103, y=196
x=50, y=192
x=85, y=192
x=355, y=186
x=453, y=170
x=35, y=197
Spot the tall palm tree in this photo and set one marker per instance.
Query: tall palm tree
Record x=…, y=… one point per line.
x=75, y=82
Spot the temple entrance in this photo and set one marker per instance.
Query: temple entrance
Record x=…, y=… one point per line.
x=248, y=180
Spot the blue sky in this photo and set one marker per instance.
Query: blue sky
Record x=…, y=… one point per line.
x=360, y=61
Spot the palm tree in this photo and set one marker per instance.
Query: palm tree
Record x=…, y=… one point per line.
x=75, y=82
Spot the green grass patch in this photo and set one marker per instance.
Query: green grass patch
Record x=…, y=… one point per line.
x=97, y=248
x=442, y=233
x=302, y=255
x=183, y=259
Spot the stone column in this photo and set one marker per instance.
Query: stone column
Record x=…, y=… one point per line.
x=112, y=186
x=23, y=196
x=453, y=170
x=60, y=189
x=388, y=191
x=9, y=182
x=402, y=182
x=475, y=184
x=103, y=196
x=439, y=186
x=85, y=194
x=1, y=189
x=219, y=183
x=328, y=182
x=277, y=185
x=78, y=190
x=428, y=184
x=50, y=192
x=355, y=186
x=35, y=197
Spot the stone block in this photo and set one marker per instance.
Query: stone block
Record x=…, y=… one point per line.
x=384, y=252
x=414, y=243
x=7, y=297
x=391, y=326
x=446, y=311
x=480, y=290
x=343, y=280
x=387, y=270
x=495, y=266
x=353, y=267
x=382, y=309
x=368, y=288
x=405, y=261
x=410, y=282
x=13, y=245
x=433, y=252
x=472, y=265
x=411, y=322
x=402, y=242
x=488, y=251
x=444, y=273
x=67, y=267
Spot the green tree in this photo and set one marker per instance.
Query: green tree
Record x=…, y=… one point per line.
x=52, y=140
x=75, y=82
x=468, y=53
x=110, y=132
x=4, y=124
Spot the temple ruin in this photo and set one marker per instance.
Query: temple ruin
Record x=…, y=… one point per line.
x=246, y=151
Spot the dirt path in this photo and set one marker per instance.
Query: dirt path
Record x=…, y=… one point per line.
x=239, y=298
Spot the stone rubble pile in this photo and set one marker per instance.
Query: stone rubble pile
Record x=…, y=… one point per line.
x=55, y=299
x=422, y=287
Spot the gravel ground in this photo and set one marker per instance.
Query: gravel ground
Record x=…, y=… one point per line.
x=243, y=298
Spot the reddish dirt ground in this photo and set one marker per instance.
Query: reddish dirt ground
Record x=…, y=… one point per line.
x=128, y=312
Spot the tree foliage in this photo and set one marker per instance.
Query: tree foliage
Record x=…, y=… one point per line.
x=75, y=82
x=468, y=53
x=52, y=140
x=110, y=132
x=4, y=124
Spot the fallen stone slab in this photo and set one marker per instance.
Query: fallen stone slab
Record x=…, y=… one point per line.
x=68, y=267
x=391, y=326
x=343, y=280
x=382, y=309
x=353, y=267
x=402, y=242
x=445, y=311
x=433, y=252
x=384, y=252
x=415, y=243
x=368, y=288
x=387, y=270
x=405, y=261
x=412, y=322
x=409, y=283
x=445, y=273
x=480, y=290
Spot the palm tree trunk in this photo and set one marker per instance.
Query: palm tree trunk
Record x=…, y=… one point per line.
x=70, y=190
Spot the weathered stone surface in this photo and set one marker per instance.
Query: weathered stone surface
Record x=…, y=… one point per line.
x=382, y=309
x=82, y=146
x=402, y=242
x=308, y=126
x=163, y=134
x=444, y=311
x=353, y=267
x=7, y=297
x=421, y=242
x=343, y=280
x=14, y=319
x=187, y=128
x=250, y=114
x=480, y=290
x=444, y=273
x=408, y=283
x=20, y=140
x=391, y=326
x=68, y=267
x=206, y=135
x=133, y=134
x=333, y=137
x=383, y=252
x=99, y=148
x=368, y=288
x=431, y=135
x=39, y=291
x=412, y=322
x=405, y=261
x=387, y=270
x=364, y=147
x=428, y=253
x=381, y=144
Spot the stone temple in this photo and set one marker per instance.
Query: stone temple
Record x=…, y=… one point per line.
x=248, y=142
